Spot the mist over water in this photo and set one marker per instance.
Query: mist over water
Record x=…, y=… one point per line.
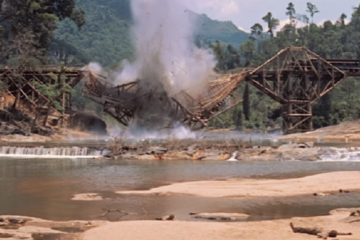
x=167, y=65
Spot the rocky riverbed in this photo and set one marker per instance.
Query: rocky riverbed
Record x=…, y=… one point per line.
x=234, y=152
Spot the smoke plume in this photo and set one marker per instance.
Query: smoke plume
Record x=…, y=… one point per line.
x=165, y=51
x=167, y=64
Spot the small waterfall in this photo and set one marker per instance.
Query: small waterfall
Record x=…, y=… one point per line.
x=52, y=152
x=333, y=154
x=233, y=157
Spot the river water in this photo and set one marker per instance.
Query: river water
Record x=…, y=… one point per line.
x=42, y=187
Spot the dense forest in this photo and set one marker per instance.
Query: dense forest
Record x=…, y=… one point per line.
x=75, y=32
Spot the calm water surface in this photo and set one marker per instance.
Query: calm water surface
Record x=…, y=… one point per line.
x=43, y=188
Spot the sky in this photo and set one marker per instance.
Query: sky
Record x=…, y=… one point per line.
x=245, y=13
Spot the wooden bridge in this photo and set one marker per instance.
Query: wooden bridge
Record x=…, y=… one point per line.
x=295, y=77
x=21, y=85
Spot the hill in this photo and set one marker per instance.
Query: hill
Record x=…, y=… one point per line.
x=105, y=38
x=226, y=32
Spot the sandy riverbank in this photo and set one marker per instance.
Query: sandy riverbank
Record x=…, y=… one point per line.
x=38, y=229
x=321, y=183
x=264, y=230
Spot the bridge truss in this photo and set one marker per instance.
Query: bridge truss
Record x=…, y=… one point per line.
x=295, y=77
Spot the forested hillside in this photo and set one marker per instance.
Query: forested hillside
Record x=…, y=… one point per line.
x=105, y=38
x=330, y=40
x=212, y=30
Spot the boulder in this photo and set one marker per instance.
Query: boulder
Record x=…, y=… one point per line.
x=87, y=122
x=157, y=151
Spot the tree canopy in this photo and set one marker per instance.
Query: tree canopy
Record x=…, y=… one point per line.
x=27, y=26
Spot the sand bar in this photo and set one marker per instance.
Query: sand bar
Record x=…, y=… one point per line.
x=326, y=182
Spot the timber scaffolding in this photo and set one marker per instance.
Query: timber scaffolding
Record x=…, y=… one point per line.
x=20, y=85
x=295, y=77
x=121, y=102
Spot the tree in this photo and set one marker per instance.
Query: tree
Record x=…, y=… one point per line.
x=40, y=18
x=312, y=9
x=232, y=57
x=256, y=29
x=238, y=118
x=218, y=49
x=341, y=20
x=291, y=13
x=272, y=23
x=247, y=50
x=246, y=102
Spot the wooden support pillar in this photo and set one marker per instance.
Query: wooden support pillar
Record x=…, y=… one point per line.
x=63, y=109
x=297, y=117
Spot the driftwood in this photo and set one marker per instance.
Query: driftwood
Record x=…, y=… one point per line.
x=107, y=211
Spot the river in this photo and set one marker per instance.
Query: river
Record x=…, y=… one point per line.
x=43, y=187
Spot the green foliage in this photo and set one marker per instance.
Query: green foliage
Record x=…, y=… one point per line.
x=291, y=12
x=271, y=22
x=62, y=52
x=3, y=87
x=227, y=57
x=312, y=9
x=106, y=36
x=247, y=50
x=36, y=18
x=53, y=91
x=238, y=118
x=225, y=32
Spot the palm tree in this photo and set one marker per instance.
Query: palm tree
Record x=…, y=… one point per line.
x=342, y=19
x=312, y=9
x=272, y=23
x=291, y=13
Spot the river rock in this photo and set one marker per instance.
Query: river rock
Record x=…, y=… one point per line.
x=157, y=151
x=298, y=152
x=307, y=154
